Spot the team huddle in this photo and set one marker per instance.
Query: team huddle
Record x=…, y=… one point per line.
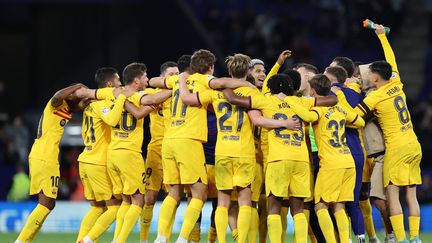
x=255, y=144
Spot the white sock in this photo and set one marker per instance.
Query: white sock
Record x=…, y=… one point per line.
x=181, y=240
x=161, y=239
x=87, y=240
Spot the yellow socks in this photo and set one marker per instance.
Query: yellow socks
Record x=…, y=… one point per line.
x=124, y=207
x=274, y=226
x=103, y=222
x=146, y=218
x=190, y=217
x=398, y=226
x=284, y=220
x=300, y=228
x=129, y=222
x=244, y=222
x=254, y=225
x=414, y=226
x=195, y=235
x=34, y=222
x=234, y=234
x=167, y=210
x=212, y=235
x=343, y=225
x=366, y=209
x=89, y=220
x=326, y=225
x=221, y=221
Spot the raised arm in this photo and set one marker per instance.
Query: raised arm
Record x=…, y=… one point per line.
x=62, y=94
x=236, y=99
x=259, y=120
x=113, y=116
x=187, y=97
x=305, y=114
x=229, y=83
x=326, y=100
x=388, y=51
x=138, y=112
x=275, y=69
x=157, y=98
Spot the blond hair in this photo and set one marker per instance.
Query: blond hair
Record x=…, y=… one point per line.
x=238, y=65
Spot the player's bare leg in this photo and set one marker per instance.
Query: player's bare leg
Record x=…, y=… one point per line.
x=104, y=221
x=300, y=222
x=96, y=210
x=233, y=211
x=381, y=205
x=274, y=223
x=147, y=214
x=199, y=195
x=245, y=212
x=396, y=213
x=221, y=214
x=36, y=218
x=167, y=211
x=131, y=216
x=414, y=213
x=325, y=222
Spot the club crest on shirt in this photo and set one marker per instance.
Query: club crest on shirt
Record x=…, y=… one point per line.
x=63, y=122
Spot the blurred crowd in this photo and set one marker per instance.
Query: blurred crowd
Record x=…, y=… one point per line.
x=315, y=30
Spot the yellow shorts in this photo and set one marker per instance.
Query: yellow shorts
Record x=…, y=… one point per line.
x=44, y=176
x=402, y=166
x=377, y=183
x=154, y=172
x=257, y=183
x=126, y=171
x=183, y=161
x=287, y=178
x=96, y=182
x=312, y=184
x=335, y=185
x=367, y=169
x=234, y=171
x=211, y=186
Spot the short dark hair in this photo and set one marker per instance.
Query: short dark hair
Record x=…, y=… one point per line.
x=295, y=77
x=104, y=75
x=250, y=79
x=167, y=65
x=184, y=63
x=202, y=60
x=338, y=72
x=321, y=84
x=281, y=83
x=308, y=67
x=346, y=63
x=133, y=70
x=382, y=68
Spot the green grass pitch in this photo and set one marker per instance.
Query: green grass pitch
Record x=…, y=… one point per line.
x=133, y=238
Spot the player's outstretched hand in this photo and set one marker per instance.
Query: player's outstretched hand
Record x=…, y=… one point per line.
x=379, y=29
x=283, y=56
x=292, y=124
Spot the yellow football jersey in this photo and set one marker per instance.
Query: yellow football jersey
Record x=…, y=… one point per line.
x=388, y=103
x=284, y=144
x=96, y=129
x=49, y=132
x=188, y=121
x=156, y=120
x=235, y=136
x=166, y=112
x=330, y=137
x=128, y=134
